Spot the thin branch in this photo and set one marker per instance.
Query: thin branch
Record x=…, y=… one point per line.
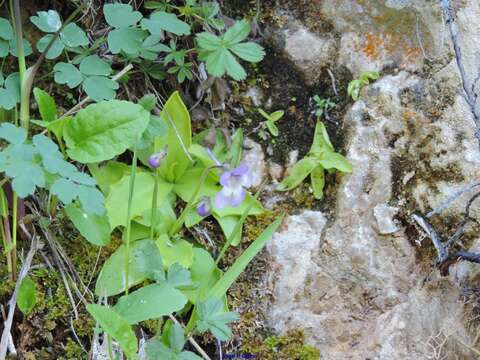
x=446, y=203
x=433, y=235
x=12, y=303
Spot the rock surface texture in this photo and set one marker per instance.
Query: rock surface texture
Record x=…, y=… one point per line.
x=361, y=280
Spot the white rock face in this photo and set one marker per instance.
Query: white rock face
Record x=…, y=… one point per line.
x=356, y=283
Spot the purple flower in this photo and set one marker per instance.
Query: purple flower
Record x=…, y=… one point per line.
x=155, y=160
x=204, y=207
x=234, y=183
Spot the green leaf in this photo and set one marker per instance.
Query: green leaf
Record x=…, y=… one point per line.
x=228, y=224
x=100, y=88
x=72, y=36
x=272, y=127
x=148, y=101
x=121, y=15
x=238, y=32
x=248, y=51
x=7, y=99
x=92, y=200
x=12, y=133
x=93, y=65
x=111, y=280
x=178, y=251
x=161, y=20
x=321, y=140
x=56, y=48
x=333, y=160
x=318, y=182
x=66, y=73
x=101, y=131
x=27, y=297
x=4, y=48
x=177, y=118
x=47, y=21
x=129, y=40
x=211, y=316
x=62, y=188
x=12, y=85
x=150, y=302
x=141, y=201
x=26, y=177
x=204, y=272
x=46, y=105
x=6, y=30
x=179, y=277
x=117, y=327
x=27, y=48
x=108, y=174
x=298, y=173
x=221, y=287
x=149, y=262
x=94, y=228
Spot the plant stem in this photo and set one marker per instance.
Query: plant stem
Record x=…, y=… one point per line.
x=129, y=213
x=191, y=203
x=14, y=233
x=153, y=216
x=22, y=67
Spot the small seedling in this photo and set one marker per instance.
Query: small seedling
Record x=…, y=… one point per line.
x=322, y=105
x=271, y=119
x=356, y=85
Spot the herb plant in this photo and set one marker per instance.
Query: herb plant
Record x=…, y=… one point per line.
x=271, y=119
x=322, y=105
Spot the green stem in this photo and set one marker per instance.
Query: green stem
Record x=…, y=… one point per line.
x=153, y=214
x=129, y=213
x=110, y=348
x=191, y=203
x=22, y=67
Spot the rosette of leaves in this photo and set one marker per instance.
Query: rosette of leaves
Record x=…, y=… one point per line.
x=135, y=36
x=39, y=164
x=8, y=41
x=207, y=12
x=321, y=157
x=71, y=37
x=218, y=51
x=181, y=68
x=93, y=73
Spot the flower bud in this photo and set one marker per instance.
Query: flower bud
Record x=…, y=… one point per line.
x=155, y=160
x=204, y=207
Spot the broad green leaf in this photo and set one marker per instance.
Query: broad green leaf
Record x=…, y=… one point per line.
x=161, y=20
x=129, y=40
x=238, y=32
x=6, y=30
x=204, y=272
x=100, y=88
x=12, y=85
x=318, y=182
x=27, y=48
x=228, y=223
x=66, y=73
x=101, y=131
x=277, y=115
x=150, y=302
x=27, y=297
x=4, y=48
x=272, y=127
x=248, y=51
x=121, y=15
x=165, y=217
x=47, y=21
x=93, y=65
x=117, y=327
x=298, y=173
x=94, y=228
x=92, y=200
x=62, y=188
x=111, y=280
x=211, y=316
x=171, y=347
x=46, y=105
x=175, y=251
x=321, y=140
x=108, y=174
x=12, y=133
x=26, y=177
x=148, y=101
x=149, y=262
x=56, y=48
x=7, y=99
x=141, y=201
x=177, y=118
x=333, y=160
x=228, y=278
x=208, y=41
x=179, y=277
x=72, y=36
x=232, y=66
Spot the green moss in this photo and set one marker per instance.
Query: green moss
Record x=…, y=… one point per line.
x=73, y=351
x=288, y=347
